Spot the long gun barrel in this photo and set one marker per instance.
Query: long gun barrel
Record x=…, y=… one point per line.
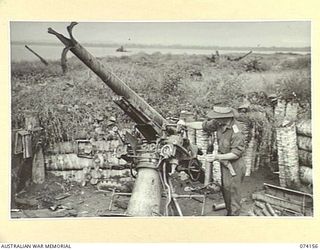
x=149, y=121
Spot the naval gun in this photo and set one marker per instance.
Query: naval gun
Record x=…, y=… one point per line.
x=163, y=149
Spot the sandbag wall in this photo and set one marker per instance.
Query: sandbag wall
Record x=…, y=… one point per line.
x=97, y=163
x=294, y=145
x=249, y=156
x=256, y=126
x=304, y=141
x=284, y=110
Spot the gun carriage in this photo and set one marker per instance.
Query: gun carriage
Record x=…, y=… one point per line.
x=163, y=148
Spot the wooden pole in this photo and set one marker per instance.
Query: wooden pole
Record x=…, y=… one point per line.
x=208, y=173
x=37, y=55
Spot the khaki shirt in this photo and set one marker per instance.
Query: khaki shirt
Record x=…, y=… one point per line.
x=230, y=140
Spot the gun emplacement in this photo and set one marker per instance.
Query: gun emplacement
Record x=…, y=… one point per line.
x=165, y=150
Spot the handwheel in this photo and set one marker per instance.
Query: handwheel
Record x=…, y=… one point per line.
x=194, y=169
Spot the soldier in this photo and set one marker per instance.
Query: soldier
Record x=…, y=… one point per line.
x=245, y=122
x=111, y=135
x=230, y=149
x=98, y=130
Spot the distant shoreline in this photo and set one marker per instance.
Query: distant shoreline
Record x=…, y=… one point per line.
x=174, y=46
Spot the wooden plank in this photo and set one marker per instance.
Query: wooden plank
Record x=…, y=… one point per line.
x=263, y=208
x=295, y=196
x=270, y=209
x=46, y=213
x=257, y=211
x=273, y=200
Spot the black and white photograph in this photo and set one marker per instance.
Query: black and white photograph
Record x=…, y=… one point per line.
x=161, y=118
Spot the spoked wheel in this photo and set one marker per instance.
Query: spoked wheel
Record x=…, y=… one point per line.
x=194, y=169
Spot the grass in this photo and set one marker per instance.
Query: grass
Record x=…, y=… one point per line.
x=169, y=83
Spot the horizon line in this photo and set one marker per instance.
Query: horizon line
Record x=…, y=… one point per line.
x=132, y=45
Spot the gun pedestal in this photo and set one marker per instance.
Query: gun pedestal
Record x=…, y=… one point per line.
x=146, y=194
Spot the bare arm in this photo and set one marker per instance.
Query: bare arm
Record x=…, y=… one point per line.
x=208, y=125
x=226, y=157
x=222, y=157
x=194, y=125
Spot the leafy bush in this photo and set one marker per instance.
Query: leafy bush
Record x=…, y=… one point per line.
x=295, y=85
x=171, y=82
x=302, y=62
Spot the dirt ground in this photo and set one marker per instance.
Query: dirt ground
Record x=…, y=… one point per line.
x=59, y=198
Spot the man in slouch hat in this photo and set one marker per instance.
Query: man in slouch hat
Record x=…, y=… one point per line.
x=230, y=148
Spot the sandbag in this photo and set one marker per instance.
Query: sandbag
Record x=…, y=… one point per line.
x=280, y=110
x=249, y=155
x=192, y=135
x=304, y=127
x=121, y=176
x=305, y=143
x=67, y=147
x=67, y=162
x=292, y=111
x=202, y=140
x=305, y=158
x=306, y=175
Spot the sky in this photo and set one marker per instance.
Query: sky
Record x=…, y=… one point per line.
x=239, y=34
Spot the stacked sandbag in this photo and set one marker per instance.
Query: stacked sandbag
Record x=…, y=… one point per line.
x=256, y=129
x=280, y=110
x=292, y=111
x=246, y=128
x=84, y=160
x=216, y=173
x=66, y=147
x=80, y=176
x=286, y=109
x=288, y=155
x=304, y=142
x=265, y=139
x=64, y=162
x=189, y=117
x=249, y=140
x=279, y=115
x=249, y=154
x=305, y=158
x=202, y=140
x=304, y=127
x=306, y=175
x=192, y=135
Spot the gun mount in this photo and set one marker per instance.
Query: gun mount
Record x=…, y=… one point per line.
x=164, y=149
